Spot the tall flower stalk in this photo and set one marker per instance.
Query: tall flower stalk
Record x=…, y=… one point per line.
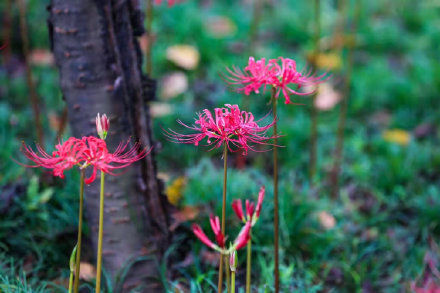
x=232, y=129
x=285, y=80
x=344, y=103
x=80, y=222
x=314, y=110
x=252, y=215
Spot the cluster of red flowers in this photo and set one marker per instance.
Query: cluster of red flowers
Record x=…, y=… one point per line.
x=239, y=242
x=279, y=73
x=237, y=129
x=252, y=211
x=85, y=152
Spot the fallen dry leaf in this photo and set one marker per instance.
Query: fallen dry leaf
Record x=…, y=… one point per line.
x=398, y=136
x=41, y=57
x=188, y=213
x=160, y=109
x=329, y=61
x=87, y=271
x=221, y=26
x=173, y=84
x=174, y=191
x=327, y=97
x=185, y=56
x=326, y=220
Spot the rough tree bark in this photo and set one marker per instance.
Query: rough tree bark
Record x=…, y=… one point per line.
x=98, y=57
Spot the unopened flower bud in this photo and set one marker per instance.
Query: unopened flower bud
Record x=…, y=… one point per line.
x=102, y=125
x=233, y=260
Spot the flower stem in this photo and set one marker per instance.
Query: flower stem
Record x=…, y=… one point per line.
x=149, y=47
x=248, y=266
x=275, y=191
x=80, y=221
x=314, y=111
x=70, y=281
x=344, y=104
x=225, y=177
x=228, y=274
x=100, y=232
x=233, y=281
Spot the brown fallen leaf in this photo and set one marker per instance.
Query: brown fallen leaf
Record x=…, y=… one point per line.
x=187, y=213
x=220, y=26
x=41, y=57
x=87, y=271
x=326, y=220
x=398, y=136
x=185, y=56
x=327, y=97
x=173, y=84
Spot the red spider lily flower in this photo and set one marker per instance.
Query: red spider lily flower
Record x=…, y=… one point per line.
x=237, y=129
x=254, y=75
x=238, y=209
x=243, y=237
x=202, y=237
x=215, y=225
x=102, y=125
x=170, y=2
x=65, y=156
x=241, y=240
x=280, y=76
x=252, y=212
x=97, y=155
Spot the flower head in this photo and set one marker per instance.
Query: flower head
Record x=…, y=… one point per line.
x=66, y=155
x=241, y=240
x=237, y=129
x=281, y=74
x=102, y=125
x=97, y=155
x=252, y=211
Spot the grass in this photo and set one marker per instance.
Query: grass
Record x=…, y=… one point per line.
x=389, y=199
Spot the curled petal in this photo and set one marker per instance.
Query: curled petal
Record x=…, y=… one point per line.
x=243, y=237
x=238, y=209
x=260, y=201
x=197, y=230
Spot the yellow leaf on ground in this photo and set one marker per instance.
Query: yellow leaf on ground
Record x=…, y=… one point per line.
x=329, y=61
x=398, y=136
x=221, y=26
x=326, y=220
x=174, y=191
x=185, y=56
x=327, y=97
x=173, y=84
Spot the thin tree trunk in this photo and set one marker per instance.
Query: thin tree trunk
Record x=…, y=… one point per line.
x=98, y=56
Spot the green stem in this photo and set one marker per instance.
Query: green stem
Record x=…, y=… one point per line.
x=228, y=274
x=233, y=281
x=70, y=281
x=225, y=177
x=149, y=48
x=80, y=221
x=314, y=111
x=248, y=266
x=100, y=233
x=275, y=192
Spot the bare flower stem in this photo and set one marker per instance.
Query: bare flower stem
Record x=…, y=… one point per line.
x=233, y=281
x=80, y=221
x=228, y=274
x=275, y=192
x=149, y=47
x=100, y=234
x=344, y=104
x=225, y=178
x=29, y=79
x=248, y=265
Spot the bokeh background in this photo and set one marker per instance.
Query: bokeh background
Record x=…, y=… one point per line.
x=379, y=235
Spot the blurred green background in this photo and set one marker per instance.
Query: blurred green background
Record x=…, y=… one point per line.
x=378, y=236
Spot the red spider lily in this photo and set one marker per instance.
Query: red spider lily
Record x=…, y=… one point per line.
x=228, y=126
x=97, y=155
x=170, y=2
x=102, y=126
x=281, y=77
x=252, y=214
x=241, y=240
x=66, y=155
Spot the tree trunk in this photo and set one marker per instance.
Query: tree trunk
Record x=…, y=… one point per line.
x=98, y=56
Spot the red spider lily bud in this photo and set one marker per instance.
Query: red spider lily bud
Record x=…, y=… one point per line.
x=102, y=125
x=238, y=209
x=249, y=209
x=260, y=201
x=215, y=225
x=202, y=236
x=243, y=237
x=233, y=260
